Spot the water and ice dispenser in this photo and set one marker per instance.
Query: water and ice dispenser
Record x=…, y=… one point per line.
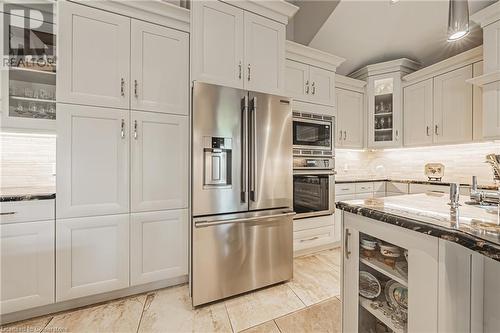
x=217, y=161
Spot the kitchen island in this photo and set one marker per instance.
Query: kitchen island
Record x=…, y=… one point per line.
x=412, y=263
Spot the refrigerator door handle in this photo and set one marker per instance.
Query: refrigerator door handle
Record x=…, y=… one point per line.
x=244, y=135
x=203, y=224
x=253, y=162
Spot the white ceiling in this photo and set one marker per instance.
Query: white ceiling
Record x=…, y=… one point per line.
x=367, y=32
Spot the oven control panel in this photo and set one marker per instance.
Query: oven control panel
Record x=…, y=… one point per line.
x=313, y=163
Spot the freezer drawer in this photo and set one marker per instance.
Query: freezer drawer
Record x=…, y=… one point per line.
x=242, y=252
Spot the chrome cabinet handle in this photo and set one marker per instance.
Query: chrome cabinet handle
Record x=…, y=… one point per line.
x=397, y=135
x=8, y=213
x=204, y=224
x=313, y=89
x=346, y=244
x=436, y=130
x=427, y=130
x=309, y=239
x=135, y=129
x=307, y=87
x=345, y=135
x=122, y=129
x=340, y=136
x=122, y=86
x=249, y=70
x=239, y=70
x=136, y=84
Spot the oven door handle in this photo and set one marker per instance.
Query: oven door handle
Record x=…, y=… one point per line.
x=314, y=173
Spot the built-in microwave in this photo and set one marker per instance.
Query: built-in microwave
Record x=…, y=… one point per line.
x=312, y=133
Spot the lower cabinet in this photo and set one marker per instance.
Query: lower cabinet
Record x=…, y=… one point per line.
x=158, y=245
x=26, y=265
x=415, y=282
x=92, y=255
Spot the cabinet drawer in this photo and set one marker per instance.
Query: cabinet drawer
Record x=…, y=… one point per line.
x=364, y=187
x=346, y=188
x=27, y=211
x=397, y=187
x=422, y=188
x=313, y=222
x=313, y=237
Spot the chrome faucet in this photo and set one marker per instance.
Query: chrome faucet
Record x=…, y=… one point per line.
x=483, y=197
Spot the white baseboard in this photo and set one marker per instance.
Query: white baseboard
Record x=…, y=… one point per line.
x=88, y=300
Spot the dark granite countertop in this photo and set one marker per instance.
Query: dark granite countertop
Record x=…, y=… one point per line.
x=474, y=227
x=410, y=181
x=27, y=193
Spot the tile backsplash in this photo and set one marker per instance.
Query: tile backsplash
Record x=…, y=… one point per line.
x=461, y=162
x=27, y=160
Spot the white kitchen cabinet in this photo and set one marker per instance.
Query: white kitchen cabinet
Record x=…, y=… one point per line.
x=418, y=113
x=297, y=80
x=234, y=47
x=217, y=43
x=309, y=83
x=350, y=114
x=27, y=265
x=92, y=255
x=159, y=68
x=453, y=106
x=159, y=161
x=477, y=104
x=94, y=56
x=92, y=161
x=158, y=245
x=422, y=284
x=322, y=86
x=264, y=54
x=313, y=238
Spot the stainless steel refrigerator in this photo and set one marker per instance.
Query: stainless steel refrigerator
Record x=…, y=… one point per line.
x=241, y=192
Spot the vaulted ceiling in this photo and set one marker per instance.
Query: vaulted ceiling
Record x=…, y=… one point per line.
x=371, y=31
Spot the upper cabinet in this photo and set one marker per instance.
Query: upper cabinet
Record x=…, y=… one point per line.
x=440, y=106
x=94, y=57
x=350, y=103
x=453, y=106
x=110, y=60
x=238, y=46
x=310, y=74
x=384, y=101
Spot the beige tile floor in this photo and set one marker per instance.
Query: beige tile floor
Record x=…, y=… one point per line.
x=308, y=303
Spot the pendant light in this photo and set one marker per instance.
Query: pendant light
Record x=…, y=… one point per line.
x=458, y=20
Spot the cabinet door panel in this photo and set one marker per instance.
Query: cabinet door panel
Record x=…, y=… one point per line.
x=92, y=255
x=159, y=248
x=477, y=106
x=350, y=110
x=94, y=57
x=159, y=161
x=296, y=76
x=453, y=106
x=160, y=69
x=264, y=54
x=322, y=86
x=217, y=43
x=27, y=265
x=350, y=278
x=92, y=161
x=418, y=105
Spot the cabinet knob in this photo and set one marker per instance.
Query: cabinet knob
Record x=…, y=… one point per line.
x=135, y=129
x=136, y=85
x=345, y=135
x=122, y=86
x=313, y=88
x=249, y=70
x=122, y=129
x=307, y=87
x=239, y=70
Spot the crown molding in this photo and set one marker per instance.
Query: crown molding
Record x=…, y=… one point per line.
x=403, y=66
x=277, y=10
x=447, y=65
x=485, y=79
x=348, y=83
x=310, y=56
x=488, y=15
x=154, y=11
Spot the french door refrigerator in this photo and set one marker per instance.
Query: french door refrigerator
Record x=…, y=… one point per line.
x=241, y=191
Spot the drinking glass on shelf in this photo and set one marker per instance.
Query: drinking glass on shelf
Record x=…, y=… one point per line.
x=28, y=92
x=43, y=93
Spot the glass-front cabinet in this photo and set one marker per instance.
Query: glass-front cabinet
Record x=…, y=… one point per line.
x=384, y=111
x=28, y=75
x=389, y=278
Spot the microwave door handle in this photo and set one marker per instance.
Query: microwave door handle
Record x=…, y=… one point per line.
x=253, y=154
x=244, y=135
